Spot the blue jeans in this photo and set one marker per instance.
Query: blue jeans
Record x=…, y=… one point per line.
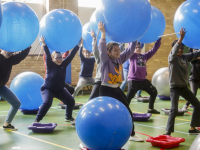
x=124, y=83
x=139, y=92
x=12, y=99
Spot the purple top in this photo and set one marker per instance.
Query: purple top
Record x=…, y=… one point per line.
x=110, y=73
x=137, y=67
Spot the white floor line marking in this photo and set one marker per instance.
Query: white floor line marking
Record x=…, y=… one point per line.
x=159, y=128
x=177, y=124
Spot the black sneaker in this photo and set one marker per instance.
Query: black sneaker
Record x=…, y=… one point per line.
x=168, y=133
x=153, y=111
x=194, y=132
x=72, y=120
x=10, y=127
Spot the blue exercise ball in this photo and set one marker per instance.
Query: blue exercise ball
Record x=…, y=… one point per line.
x=187, y=16
x=104, y=123
x=0, y=14
x=62, y=30
x=26, y=87
x=94, y=27
x=88, y=39
x=19, y=28
x=156, y=28
x=125, y=21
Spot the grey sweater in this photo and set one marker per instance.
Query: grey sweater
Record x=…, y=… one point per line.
x=97, y=59
x=178, y=67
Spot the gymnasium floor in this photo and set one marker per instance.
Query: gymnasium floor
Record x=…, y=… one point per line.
x=65, y=137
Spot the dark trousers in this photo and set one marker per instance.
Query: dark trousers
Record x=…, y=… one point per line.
x=69, y=88
x=48, y=95
x=95, y=90
x=134, y=86
x=118, y=94
x=194, y=85
x=175, y=92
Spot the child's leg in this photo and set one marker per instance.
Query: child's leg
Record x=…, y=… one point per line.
x=124, y=83
x=133, y=87
x=68, y=100
x=47, y=97
x=95, y=90
x=194, y=87
x=174, y=96
x=151, y=90
x=89, y=80
x=81, y=83
x=189, y=96
x=11, y=98
x=69, y=88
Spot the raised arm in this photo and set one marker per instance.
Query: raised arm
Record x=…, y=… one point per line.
x=175, y=48
x=17, y=58
x=94, y=48
x=46, y=50
x=81, y=52
x=128, y=52
x=150, y=53
x=69, y=58
x=102, y=43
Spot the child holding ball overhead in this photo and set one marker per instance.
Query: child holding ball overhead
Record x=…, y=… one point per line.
x=178, y=81
x=7, y=60
x=53, y=85
x=112, y=72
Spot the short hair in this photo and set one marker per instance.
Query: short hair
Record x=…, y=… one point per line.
x=110, y=46
x=175, y=41
x=53, y=54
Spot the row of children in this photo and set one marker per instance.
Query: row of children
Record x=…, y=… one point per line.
x=109, y=74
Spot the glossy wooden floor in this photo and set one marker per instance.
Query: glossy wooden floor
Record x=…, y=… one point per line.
x=65, y=137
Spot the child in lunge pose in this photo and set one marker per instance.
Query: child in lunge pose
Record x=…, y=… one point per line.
x=137, y=75
x=112, y=73
x=54, y=83
x=7, y=60
x=178, y=81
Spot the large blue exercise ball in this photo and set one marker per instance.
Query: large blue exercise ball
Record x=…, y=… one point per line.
x=88, y=39
x=62, y=30
x=19, y=28
x=104, y=123
x=125, y=21
x=156, y=28
x=0, y=14
x=26, y=87
x=187, y=16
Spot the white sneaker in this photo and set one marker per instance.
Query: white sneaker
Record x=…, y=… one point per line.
x=136, y=138
x=82, y=146
x=185, y=108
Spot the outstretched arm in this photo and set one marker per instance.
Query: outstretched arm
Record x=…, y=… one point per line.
x=175, y=48
x=94, y=48
x=102, y=43
x=150, y=53
x=17, y=58
x=69, y=58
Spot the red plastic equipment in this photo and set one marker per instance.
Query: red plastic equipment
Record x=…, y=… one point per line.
x=165, y=141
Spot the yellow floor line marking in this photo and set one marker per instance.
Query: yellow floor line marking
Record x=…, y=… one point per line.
x=162, y=116
x=40, y=140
